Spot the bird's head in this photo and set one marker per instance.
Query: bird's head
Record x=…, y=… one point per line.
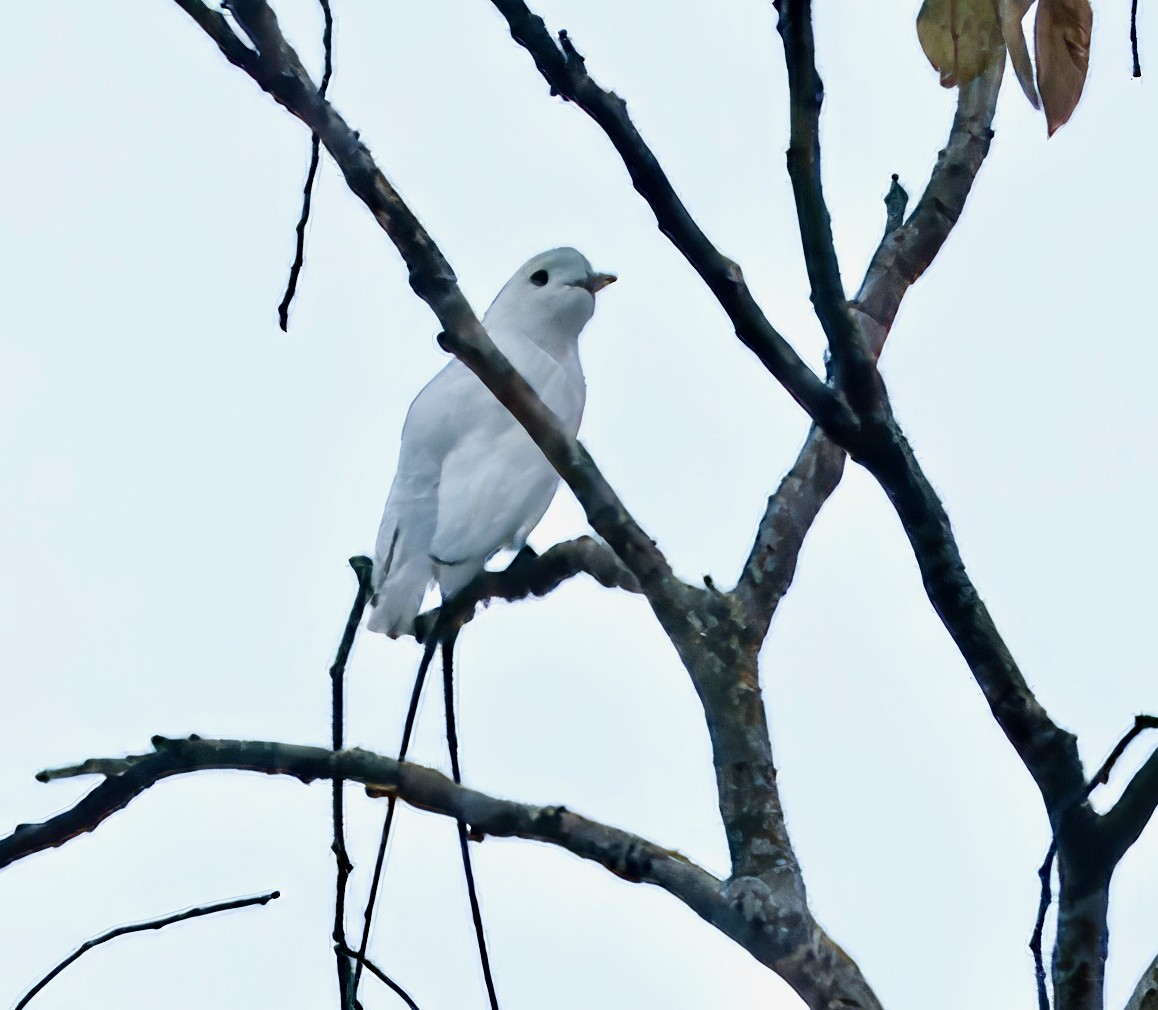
x=550, y=298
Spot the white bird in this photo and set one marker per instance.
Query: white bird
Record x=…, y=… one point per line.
x=470, y=480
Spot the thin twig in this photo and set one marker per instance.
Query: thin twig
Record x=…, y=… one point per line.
x=308, y=189
x=1125, y=821
x=385, y=979
x=1134, y=37
x=362, y=569
x=1044, y=873
x=108, y=767
x=1141, y=724
x=136, y=927
x=896, y=200
x=452, y=745
x=391, y=802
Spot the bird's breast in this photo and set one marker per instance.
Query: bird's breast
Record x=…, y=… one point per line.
x=558, y=382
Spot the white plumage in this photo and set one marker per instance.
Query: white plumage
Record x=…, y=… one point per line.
x=470, y=480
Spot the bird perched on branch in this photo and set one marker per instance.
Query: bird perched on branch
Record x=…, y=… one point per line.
x=470, y=480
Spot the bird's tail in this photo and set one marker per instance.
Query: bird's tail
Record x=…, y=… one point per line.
x=398, y=599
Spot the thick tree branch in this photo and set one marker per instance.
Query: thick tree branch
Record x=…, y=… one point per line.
x=421, y=787
x=566, y=73
x=854, y=368
x=279, y=72
x=1049, y=753
x=1079, y=957
x=774, y=927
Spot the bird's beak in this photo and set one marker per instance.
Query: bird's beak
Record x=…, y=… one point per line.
x=597, y=282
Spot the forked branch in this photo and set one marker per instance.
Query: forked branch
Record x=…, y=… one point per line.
x=901, y=258
x=566, y=72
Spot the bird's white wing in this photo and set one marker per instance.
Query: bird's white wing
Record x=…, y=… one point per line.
x=403, y=568
x=494, y=489
x=470, y=481
x=495, y=483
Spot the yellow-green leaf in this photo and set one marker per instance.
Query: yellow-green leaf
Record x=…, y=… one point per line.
x=960, y=37
x=1062, y=45
x=1012, y=12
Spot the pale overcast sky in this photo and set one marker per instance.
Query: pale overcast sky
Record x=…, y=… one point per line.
x=183, y=484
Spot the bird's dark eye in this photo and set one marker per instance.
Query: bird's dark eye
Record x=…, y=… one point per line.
x=539, y=278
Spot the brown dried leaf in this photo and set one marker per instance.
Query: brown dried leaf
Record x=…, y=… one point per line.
x=1012, y=12
x=960, y=37
x=1061, y=40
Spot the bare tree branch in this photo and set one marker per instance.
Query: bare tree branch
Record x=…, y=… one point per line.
x=905, y=254
x=854, y=368
x=774, y=927
x=363, y=568
x=137, y=927
x=421, y=787
x=311, y=175
x=463, y=843
x=791, y=511
x=531, y=574
x=1048, y=752
x=896, y=200
x=391, y=803
x=108, y=767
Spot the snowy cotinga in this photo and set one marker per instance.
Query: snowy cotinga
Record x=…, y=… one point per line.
x=470, y=480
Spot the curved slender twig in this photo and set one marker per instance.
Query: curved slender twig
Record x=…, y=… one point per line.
x=137, y=927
